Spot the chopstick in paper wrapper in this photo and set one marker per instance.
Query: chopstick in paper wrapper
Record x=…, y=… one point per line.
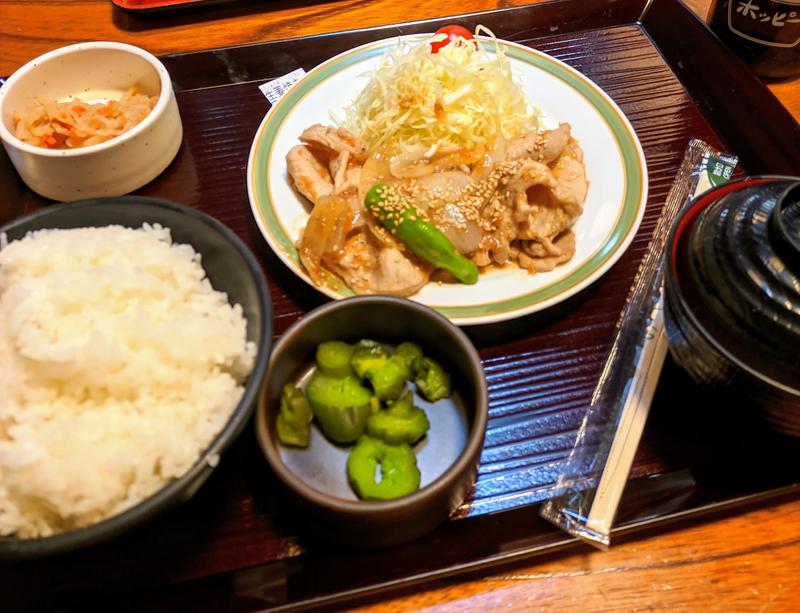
x=598, y=466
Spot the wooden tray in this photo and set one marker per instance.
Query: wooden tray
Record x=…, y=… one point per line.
x=238, y=546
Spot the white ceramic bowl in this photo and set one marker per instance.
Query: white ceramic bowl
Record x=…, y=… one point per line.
x=94, y=72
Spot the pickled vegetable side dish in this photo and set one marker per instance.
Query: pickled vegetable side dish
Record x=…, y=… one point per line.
x=363, y=394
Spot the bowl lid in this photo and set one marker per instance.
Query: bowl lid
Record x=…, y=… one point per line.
x=742, y=261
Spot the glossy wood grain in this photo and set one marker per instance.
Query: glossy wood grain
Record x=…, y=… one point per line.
x=31, y=27
x=745, y=562
x=729, y=565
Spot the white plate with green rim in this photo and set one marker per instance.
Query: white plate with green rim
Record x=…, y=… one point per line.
x=613, y=156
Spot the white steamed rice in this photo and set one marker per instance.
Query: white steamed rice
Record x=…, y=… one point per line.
x=119, y=363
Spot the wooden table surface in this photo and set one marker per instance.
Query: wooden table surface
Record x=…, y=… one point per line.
x=746, y=562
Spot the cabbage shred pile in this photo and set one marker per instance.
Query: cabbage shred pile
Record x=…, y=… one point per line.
x=458, y=99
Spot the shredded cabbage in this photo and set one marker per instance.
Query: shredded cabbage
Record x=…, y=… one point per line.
x=460, y=98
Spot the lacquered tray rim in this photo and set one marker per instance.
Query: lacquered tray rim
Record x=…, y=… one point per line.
x=564, y=541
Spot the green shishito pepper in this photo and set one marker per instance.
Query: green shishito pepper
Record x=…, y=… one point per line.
x=398, y=468
x=341, y=405
x=400, y=422
x=424, y=239
x=293, y=424
x=431, y=379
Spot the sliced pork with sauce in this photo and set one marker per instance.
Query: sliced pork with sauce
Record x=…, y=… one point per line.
x=514, y=204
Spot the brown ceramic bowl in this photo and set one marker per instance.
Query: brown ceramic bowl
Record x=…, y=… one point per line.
x=447, y=456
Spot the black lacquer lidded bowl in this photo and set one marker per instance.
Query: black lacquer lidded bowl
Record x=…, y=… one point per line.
x=732, y=294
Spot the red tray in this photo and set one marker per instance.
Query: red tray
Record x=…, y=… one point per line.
x=238, y=546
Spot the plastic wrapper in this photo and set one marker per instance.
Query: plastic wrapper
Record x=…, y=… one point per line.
x=598, y=466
